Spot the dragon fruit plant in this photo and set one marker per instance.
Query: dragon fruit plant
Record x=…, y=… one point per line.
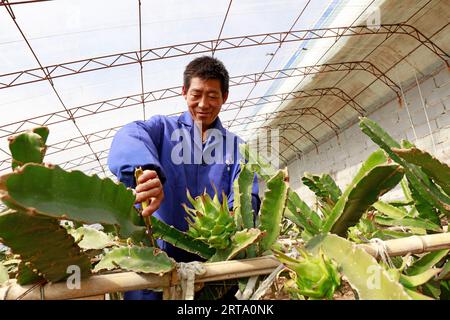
x=44, y=202
x=210, y=220
x=316, y=277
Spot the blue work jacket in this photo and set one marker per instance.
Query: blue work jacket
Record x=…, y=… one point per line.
x=157, y=144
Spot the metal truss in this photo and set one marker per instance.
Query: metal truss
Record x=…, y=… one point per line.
x=133, y=57
x=61, y=146
x=308, y=111
x=137, y=99
x=103, y=154
x=115, y=104
x=282, y=140
x=281, y=97
x=115, y=60
x=317, y=69
x=283, y=127
x=6, y=3
x=86, y=159
x=79, y=141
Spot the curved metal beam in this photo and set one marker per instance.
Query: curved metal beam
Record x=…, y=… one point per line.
x=308, y=111
x=92, y=109
x=126, y=58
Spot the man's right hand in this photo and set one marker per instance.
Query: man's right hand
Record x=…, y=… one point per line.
x=149, y=188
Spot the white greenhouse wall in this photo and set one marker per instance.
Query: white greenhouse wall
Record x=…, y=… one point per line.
x=342, y=157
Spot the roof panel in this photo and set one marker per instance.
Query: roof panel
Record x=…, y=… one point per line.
x=15, y=54
x=24, y=102
x=70, y=31
x=92, y=87
x=109, y=119
x=256, y=17
x=191, y=21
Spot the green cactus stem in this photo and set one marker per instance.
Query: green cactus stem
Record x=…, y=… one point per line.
x=315, y=276
x=325, y=189
x=409, y=222
x=42, y=243
x=418, y=279
x=301, y=214
x=272, y=208
x=257, y=163
x=89, y=238
x=137, y=259
x=243, y=211
x=374, y=179
x=53, y=192
x=416, y=177
x=240, y=241
x=180, y=239
x=210, y=221
x=438, y=171
x=28, y=147
x=370, y=280
x=426, y=262
x=25, y=274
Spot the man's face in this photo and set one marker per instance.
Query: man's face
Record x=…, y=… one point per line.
x=204, y=99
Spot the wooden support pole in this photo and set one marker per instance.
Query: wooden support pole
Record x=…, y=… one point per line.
x=413, y=245
x=125, y=281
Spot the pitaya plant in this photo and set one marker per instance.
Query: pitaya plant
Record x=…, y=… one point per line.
x=312, y=276
x=210, y=220
x=44, y=202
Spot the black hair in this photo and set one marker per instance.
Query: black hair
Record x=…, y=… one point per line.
x=207, y=68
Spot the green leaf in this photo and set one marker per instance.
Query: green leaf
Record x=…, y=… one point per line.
x=365, y=275
x=28, y=147
x=180, y=239
x=426, y=262
x=43, y=243
x=438, y=171
x=272, y=208
x=418, y=180
x=240, y=241
x=419, y=279
x=243, y=210
x=51, y=191
x=89, y=238
x=373, y=180
x=137, y=259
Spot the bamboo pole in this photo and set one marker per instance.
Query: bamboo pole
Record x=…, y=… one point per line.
x=124, y=281
x=92, y=286
x=413, y=245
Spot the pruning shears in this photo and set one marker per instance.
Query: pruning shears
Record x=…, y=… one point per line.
x=148, y=223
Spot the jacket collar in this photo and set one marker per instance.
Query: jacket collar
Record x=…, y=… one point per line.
x=187, y=120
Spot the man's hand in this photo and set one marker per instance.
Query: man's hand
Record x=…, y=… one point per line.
x=149, y=188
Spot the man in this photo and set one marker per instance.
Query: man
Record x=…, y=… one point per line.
x=192, y=151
